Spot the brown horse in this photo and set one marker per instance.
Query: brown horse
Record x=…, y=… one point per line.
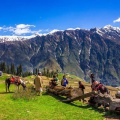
x=97, y=86
x=17, y=81
x=100, y=88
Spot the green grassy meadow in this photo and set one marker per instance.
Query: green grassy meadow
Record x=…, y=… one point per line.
x=45, y=107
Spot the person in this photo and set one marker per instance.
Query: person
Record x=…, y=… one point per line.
x=93, y=82
x=82, y=87
x=64, y=81
x=38, y=84
x=92, y=77
x=54, y=81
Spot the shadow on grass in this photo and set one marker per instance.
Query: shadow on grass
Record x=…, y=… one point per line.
x=60, y=98
x=112, y=116
x=108, y=115
x=6, y=92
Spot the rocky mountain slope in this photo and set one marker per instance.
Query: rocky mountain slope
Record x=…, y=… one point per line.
x=78, y=52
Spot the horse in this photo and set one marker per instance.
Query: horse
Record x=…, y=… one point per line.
x=17, y=81
x=97, y=86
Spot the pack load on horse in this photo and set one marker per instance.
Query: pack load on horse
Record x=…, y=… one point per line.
x=14, y=80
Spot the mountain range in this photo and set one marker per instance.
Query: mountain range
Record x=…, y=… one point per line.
x=79, y=52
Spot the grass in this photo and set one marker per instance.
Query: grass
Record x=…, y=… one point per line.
x=45, y=107
x=60, y=76
x=4, y=76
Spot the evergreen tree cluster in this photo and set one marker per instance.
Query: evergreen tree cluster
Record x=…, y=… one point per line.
x=12, y=69
x=46, y=72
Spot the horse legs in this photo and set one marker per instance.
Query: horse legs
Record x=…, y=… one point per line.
x=8, y=86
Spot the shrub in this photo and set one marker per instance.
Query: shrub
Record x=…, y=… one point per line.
x=28, y=94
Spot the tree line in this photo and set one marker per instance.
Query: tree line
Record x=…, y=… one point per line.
x=12, y=69
x=18, y=70
x=46, y=72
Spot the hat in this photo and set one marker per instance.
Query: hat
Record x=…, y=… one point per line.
x=39, y=72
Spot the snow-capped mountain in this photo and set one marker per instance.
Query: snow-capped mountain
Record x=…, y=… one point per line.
x=101, y=31
x=77, y=51
x=106, y=29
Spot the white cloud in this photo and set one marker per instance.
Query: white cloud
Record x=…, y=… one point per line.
x=22, y=26
x=117, y=20
x=21, y=29
x=1, y=28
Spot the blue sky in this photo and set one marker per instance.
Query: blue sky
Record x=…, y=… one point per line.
x=27, y=17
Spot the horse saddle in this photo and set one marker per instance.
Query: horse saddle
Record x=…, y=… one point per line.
x=14, y=80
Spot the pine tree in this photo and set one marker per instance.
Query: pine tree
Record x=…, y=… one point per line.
x=13, y=71
x=8, y=69
x=52, y=73
x=44, y=72
x=48, y=73
x=36, y=71
x=19, y=70
x=3, y=66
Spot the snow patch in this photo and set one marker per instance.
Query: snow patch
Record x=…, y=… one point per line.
x=109, y=28
x=14, y=38
x=55, y=30
x=74, y=28
x=79, y=52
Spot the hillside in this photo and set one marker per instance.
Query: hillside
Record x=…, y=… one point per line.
x=40, y=109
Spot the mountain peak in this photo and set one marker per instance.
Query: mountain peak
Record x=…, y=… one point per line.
x=109, y=27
